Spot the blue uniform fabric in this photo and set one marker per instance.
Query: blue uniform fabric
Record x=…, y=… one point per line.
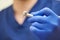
x=11, y=30
x=52, y=4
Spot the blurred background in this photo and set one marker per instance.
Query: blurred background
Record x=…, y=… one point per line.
x=5, y=3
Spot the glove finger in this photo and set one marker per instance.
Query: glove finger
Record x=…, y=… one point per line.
x=46, y=11
x=39, y=19
x=39, y=26
x=34, y=29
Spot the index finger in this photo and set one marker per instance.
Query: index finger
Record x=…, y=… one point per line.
x=39, y=19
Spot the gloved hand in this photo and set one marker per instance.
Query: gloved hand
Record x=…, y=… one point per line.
x=44, y=22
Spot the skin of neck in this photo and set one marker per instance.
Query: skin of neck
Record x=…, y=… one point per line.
x=20, y=6
x=23, y=5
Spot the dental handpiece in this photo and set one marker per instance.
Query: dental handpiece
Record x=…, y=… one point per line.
x=27, y=14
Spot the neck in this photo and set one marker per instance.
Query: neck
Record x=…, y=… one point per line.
x=20, y=6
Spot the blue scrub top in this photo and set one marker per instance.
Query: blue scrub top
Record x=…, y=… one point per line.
x=11, y=30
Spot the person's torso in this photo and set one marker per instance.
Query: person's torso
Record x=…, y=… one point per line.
x=10, y=31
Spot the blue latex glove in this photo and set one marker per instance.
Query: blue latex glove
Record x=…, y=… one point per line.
x=42, y=25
